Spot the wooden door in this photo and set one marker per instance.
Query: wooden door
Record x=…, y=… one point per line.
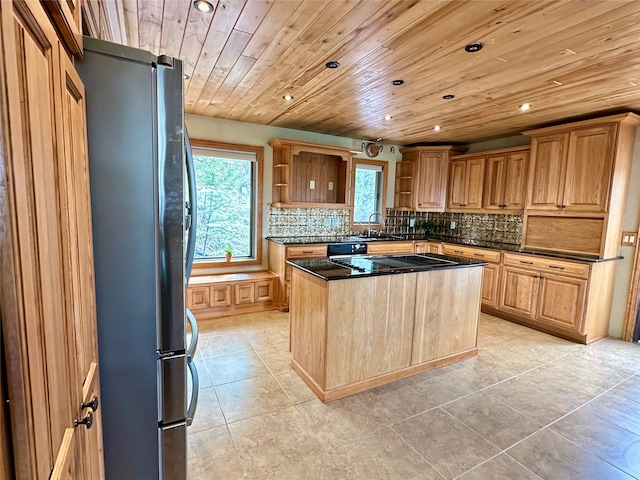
x=434, y=247
x=589, y=169
x=515, y=181
x=421, y=247
x=519, y=292
x=490, y=279
x=431, y=181
x=562, y=301
x=46, y=287
x=457, y=184
x=495, y=182
x=547, y=170
x=78, y=255
x=473, y=183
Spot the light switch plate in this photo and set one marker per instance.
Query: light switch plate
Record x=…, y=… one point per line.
x=312, y=185
x=330, y=185
x=629, y=239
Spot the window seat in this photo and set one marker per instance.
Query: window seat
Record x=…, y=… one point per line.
x=214, y=296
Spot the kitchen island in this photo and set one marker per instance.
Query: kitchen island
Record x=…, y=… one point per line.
x=360, y=322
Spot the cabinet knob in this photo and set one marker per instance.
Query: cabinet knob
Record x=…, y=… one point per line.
x=93, y=404
x=86, y=421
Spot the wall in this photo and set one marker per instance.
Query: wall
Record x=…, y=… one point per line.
x=625, y=266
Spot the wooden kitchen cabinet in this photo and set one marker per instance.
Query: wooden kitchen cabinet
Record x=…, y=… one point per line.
x=424, y=246
x=572, y=171
x=421, y=178
x=466, y=178
x=309, y=174
x=577, y=185
x=490, y=273
x=519, y=294
x=66, y=16
x=505, y=180
x=389, y=248
x=567, y=298
x=212, y=296
x=277, y=263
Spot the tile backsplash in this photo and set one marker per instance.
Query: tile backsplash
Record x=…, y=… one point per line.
x=305, y=222
x=478, y=226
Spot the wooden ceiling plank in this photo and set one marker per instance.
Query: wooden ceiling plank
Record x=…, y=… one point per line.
x=253, y=15
x=195, y=33
x=239, y=70
x=150, y=24
x=227, y=59
x=221, y=27
x=131, y=21
x=173, y=28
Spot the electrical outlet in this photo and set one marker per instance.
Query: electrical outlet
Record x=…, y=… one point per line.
x=412, y=222
x=330, y=185
x=629, y=239
x=312, y=185
x=453, y=225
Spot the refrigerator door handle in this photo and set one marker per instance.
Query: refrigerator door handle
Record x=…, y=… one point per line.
x=193, y=344
x=195, y=388
x=192, y=212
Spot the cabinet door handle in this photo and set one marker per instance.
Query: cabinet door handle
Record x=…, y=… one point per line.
x=556, y=267
x=478, y=255
x=526, y=263
x=458, y=251
x=307, y=252
x=558, y=206
x=86, y=421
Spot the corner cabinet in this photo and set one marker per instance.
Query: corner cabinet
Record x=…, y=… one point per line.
x=421, y=178
x=309, y=174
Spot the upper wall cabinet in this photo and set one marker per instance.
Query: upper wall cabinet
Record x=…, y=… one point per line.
x=571, y=171
x=577, y=185
x=309, y=174
x=421, y=178
x=466, y=176
x=505, y=180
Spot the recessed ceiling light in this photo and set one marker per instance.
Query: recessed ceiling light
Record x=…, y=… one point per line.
x=448, y=97
x=436, y=128
x=332, y=64
x=473, y=47
x=397, y=82
x=388, y=117
x=288, y=98
x=203, y=6
x=525, y=106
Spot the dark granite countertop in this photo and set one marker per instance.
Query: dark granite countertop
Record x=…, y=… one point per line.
x=332, y=270
x=505, y=247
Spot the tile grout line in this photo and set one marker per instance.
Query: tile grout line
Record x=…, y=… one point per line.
x=390, y=427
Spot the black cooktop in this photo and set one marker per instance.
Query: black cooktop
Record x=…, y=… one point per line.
x=390, y=263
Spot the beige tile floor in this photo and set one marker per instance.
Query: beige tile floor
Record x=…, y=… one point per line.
x=529, y=406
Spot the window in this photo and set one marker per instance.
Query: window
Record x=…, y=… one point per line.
x=369, y=186
x=228, y=180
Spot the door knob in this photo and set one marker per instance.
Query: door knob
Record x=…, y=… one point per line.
x=86, y=421
x=93, y=404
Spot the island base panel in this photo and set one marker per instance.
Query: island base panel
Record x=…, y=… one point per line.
x=361, y=386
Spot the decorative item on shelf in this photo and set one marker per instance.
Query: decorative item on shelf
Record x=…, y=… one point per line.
x=372, y=149
x=228, y=253
x=427, y=226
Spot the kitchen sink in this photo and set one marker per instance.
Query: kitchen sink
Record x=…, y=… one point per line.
x=366, y=238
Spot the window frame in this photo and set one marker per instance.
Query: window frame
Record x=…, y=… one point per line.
x=259, y=153
x=385, y=173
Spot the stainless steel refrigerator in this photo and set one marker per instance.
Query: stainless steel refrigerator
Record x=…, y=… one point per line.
x=142, y=196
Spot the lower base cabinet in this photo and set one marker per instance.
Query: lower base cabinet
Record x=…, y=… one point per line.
x=568, y=299
x=214, y=296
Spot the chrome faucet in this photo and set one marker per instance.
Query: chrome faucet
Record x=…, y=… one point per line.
x=369, y=222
